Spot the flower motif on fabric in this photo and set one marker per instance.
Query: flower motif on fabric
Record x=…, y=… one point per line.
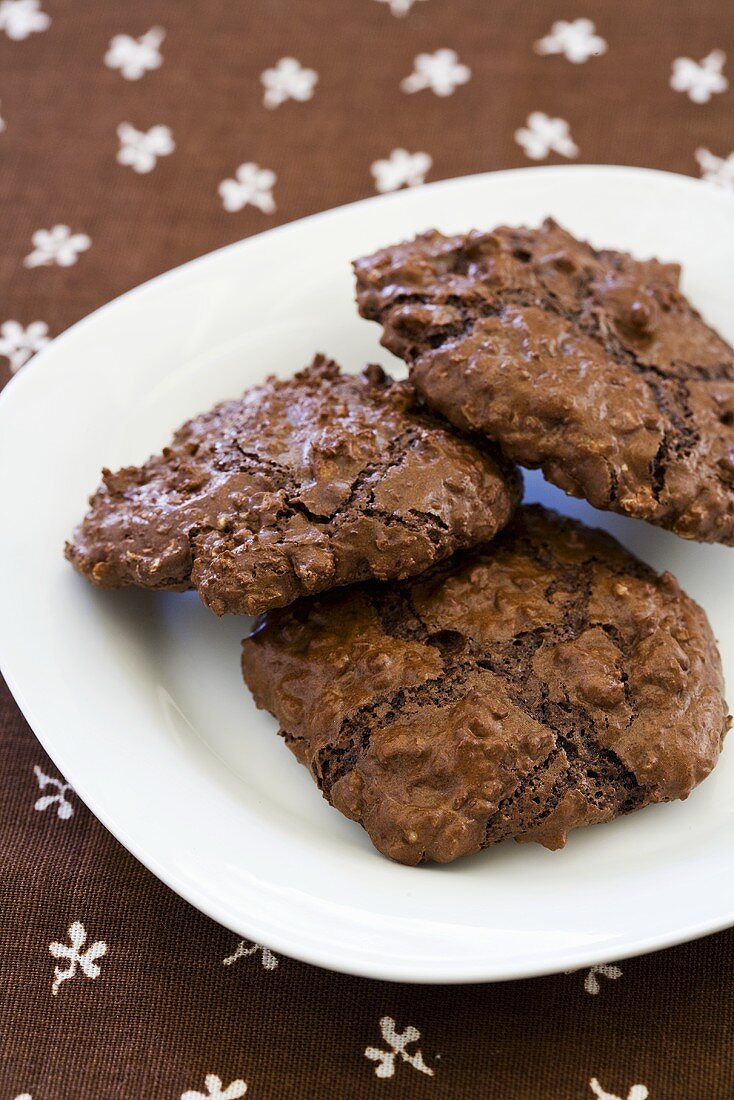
x=18, y=344
x=542, y=135
x=77, y=958
x=700, y=79
x=19, y=18
x=636, y=1092
x=441, y=71
x=400, y=169
x=244, y=948
x=140, y=149
x=214, y=1090
x=56, y=246
x=135, y=56
x=592, y=984
x=24, y=1096
x=288, y=80
x=64, y=808
x=577, y=41
x=251, y=186
x=718, y=170
x=397, y=1043
x=399, y=7
x=2, y=123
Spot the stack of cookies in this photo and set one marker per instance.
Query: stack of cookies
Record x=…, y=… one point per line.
x=453, y=667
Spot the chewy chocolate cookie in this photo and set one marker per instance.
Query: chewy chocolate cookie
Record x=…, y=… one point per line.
x=546, y=681
x=589, y=364
x=300, y=485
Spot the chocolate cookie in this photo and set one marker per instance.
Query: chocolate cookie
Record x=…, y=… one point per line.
x=545, y=681
x=300, y=485
x=588, y=364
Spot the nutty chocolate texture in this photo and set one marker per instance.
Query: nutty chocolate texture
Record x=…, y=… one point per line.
x=545, y=681
x=588, y=364
x=300, y=485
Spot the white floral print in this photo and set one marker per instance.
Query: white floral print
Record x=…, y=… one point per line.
x=214, y=1090
x=64, y=808
x=135, y=56
x=140, y=149
x=577, y=41
x=636, y=1092
x=24, y=1096
x=441, y=71
x=700, y=79
x=718, y=170
x=397, y=1042
x=18, y=344
x=77, y=958
x=244, y=948
x=56, y=246
x=542, y=135
x=400, y=169
x=252, y=185
x=19, y=18
x=2, y=122
x=592, y=984
x=399, y=7
x=288, y=80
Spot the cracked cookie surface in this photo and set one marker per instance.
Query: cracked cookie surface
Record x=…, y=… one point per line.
x=545, y=681
x=300, y=485
x=588, y=364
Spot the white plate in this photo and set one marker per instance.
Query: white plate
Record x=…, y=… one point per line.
x=138, y=697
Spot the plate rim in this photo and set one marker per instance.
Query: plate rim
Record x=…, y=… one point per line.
x=31, y=369
x=559, y=959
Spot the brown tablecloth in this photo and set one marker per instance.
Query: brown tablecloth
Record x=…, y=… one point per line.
x=120, y=124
